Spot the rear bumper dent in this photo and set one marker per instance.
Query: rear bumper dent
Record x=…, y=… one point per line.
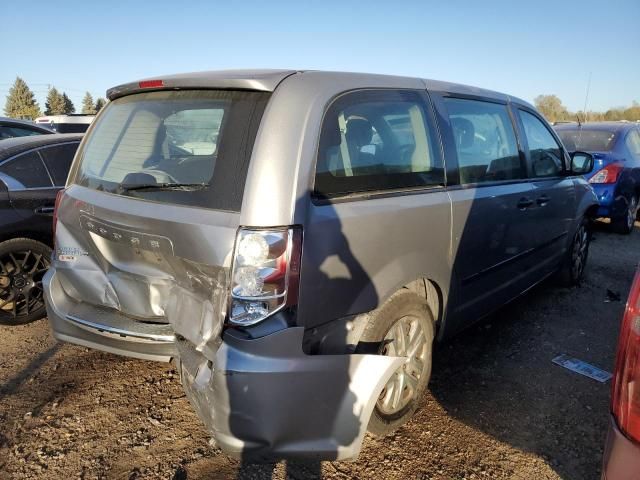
x=264, y=399
x=138, y=340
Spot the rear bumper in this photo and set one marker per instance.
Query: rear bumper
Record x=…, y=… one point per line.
x=264, y=399
x=621, y=456
x=104, y=330
x=612, y=204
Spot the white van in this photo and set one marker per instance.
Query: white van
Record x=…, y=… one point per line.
x=71, y=123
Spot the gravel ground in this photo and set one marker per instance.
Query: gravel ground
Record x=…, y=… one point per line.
x=497, y=407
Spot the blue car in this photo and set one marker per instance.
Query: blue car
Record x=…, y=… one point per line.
x=615, y=177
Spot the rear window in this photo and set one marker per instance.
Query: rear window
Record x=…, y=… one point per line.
x=587, y=140
x=184, y=147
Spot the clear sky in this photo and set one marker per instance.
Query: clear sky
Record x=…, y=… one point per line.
x=523, y=48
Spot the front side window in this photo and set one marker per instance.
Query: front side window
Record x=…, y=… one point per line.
x=189, y=147
x=485, y=141
x=27, y=169
x=546, y=154
x=377, y=140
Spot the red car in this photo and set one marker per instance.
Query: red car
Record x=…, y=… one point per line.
x=622, y=452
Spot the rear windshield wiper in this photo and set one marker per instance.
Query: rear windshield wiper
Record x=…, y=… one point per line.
x=187, y=187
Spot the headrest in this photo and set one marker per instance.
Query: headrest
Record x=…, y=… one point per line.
x=464, y=132
x=359, y=131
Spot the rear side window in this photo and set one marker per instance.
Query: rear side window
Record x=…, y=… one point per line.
x=485, y=141
x=199, y=142
x=546, y=154
x=27, y=169
x=633, y=142
x=376, y=140
x=9, y=132
x=58, y=161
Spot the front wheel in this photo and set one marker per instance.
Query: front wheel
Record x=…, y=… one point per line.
x=23, y=263
x=572, y=269
x=402, y=327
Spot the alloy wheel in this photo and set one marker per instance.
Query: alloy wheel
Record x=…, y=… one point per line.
x=406, y=338
x=21, y=291
x=632, y=211
x=579, y=251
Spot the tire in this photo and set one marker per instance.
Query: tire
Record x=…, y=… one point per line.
x=625, y=223
x=407, y=313
x=572, y=269
x=23, y=263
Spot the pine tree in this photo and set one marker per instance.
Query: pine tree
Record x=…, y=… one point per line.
x=88, y=108
x=100, y=102
x=55, y=103
x=21, y=102
x=68, y=104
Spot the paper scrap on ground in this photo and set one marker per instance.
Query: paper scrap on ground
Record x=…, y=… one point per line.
x=582, y=368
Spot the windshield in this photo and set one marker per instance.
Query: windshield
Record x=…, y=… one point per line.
x=159, y=139
x=587, y=140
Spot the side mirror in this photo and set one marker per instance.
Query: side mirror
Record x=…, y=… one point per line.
x=581, y=163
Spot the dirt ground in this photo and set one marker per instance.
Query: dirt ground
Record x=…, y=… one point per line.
x=497, y=407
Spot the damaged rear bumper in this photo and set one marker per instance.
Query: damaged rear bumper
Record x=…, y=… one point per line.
x=104, y=329
x=264, y=399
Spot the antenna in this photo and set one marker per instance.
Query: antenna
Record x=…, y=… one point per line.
x=586, y=98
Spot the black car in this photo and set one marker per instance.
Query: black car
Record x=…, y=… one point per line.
x=32, y=171
x=12, y=127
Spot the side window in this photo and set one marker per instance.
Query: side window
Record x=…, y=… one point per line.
x=58, y=161
x=546, y=154
x=27, y=169
x=485, y=141
x=633, y=142
x=376, y=140
x=10, y=132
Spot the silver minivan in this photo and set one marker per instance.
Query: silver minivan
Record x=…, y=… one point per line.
x=297, y=240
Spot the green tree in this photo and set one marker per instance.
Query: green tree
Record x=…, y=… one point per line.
x=551, y=107
x=54, y=105
x=100, y=102
x=88, y=108
x=21, y=102
x=68, y=104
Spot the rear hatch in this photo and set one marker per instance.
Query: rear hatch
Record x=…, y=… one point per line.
x=146, y=227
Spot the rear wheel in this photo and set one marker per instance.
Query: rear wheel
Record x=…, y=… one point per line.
x=402, y=327
x=23, y=263
x=625, y=223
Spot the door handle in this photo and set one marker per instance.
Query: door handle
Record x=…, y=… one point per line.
x=48, y=210
x=543, y=200
x=524, y=203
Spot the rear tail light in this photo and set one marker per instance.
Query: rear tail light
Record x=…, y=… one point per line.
x=608, y=174
x=265, y=273
x=55, y=212
x=625, y=397
x=151, y=84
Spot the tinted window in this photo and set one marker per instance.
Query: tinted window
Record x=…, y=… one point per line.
x=633, y=142
x=587, y=140
x=373, y=140
x=71, y=127
x=58, y=160
x=546, y=154
x=9, y=132
x=485, y=141
x=203, y=138
x=27, y=169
